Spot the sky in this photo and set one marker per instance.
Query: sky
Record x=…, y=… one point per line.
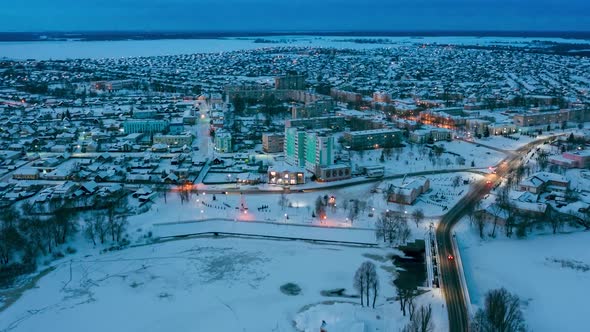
x=294, y=15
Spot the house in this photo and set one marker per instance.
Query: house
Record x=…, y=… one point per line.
x=26, y=173
x=542, y=181
x=576, y=159
x=407, y=193
x=493, y=213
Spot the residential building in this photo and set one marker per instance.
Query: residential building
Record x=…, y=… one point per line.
x=541, y=181
x=574, y=159
x=290, y=81
x=273, y=142
x=295, y=146
x=336, y=123
x=543, y=117
x=502, y=128
x=223, y=141
x=145, y=126
x=26, y=173
x=174, y=140
x=372, y=139
x=319, y=150
x=430, y=135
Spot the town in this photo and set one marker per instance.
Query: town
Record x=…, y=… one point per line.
x=382, y=148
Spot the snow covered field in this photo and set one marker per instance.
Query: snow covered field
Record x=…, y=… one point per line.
x=59, y=50
x=207, y=285
x=417, y=158
x=550, y=274
x=501, y=142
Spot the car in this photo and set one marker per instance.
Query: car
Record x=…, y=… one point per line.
x=450, y=257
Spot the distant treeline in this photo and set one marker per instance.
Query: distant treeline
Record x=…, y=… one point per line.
x=145, y=35
x=567, y=49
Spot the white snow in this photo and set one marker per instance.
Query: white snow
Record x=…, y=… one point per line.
x=550, y=274
x=190, y=285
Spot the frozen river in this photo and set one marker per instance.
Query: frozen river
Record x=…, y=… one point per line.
x=60, y=50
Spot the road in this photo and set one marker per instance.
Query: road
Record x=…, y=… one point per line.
x=335, y=185
x=449, y=271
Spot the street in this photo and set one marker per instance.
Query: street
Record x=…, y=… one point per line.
x=449, y=272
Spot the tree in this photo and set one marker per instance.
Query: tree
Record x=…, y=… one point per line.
x=456, y=181
x=543, y=159
x=552, y=216
x=96, y=228
x=418, y=216
x=8, y=216
x=320, y=208
x=501, y=313
x=11, y=241
x=359, y=283
x=392, y=227
x=366, y=281
x=421, y=321
x=354, y=210
x=478, y=217
x=405, y=296
x=283, y=201
x=184, y=192
x=117, y=219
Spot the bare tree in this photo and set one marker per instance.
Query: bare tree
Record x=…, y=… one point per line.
x=184, y=192
x=320, y=208
x=421, y=321
x=554, y=219
x=405, y=296
x=359, y=283
x=501, y=313
x=479, y=222
x=283, y=201
x=366, y=281
x=456, y=181
x=392, y=227
x=117, y=219
x=418, y=216
x=354, y=210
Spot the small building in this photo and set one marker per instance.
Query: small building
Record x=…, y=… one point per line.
x=407, y=193
x=26, y=173
x=575, y=159
x=541, y=181
x=430, y=135
x=286, y=176
x=334, y=172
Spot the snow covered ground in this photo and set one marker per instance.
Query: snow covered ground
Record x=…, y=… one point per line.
x=60, y=50
x=206, y=285
x=298, y=210
x=417, y=158
x=501, y=142
x=550, y=274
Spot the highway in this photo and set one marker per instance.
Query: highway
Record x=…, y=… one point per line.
x=449, y=271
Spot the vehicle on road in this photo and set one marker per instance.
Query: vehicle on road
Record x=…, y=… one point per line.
x=451, y=257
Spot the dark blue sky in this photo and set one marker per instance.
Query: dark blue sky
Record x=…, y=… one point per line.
x=290, y=15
